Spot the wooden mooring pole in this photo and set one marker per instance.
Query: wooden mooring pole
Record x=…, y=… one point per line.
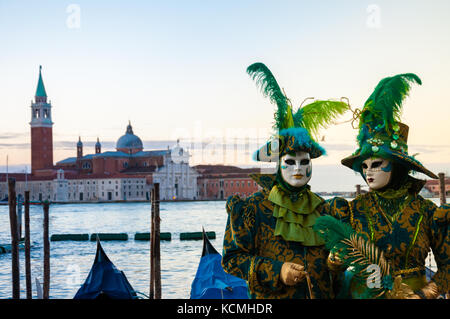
x=14, y=239
x=19, y=216
x=152, y=257
x=442, y=188
x=155, y=253
x=358, y=190
x=46, y=285
x=27, y=246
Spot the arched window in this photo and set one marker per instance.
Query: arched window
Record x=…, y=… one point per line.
x=86, y=165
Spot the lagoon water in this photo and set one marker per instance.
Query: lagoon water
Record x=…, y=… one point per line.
x=70, y=261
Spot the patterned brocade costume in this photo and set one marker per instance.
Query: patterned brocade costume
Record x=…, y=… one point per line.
x=251, y=251
x=269, y=238
x=404, y=238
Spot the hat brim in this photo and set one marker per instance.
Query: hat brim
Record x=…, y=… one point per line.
x=265, y=153
x=288, y=140
x=406, y=160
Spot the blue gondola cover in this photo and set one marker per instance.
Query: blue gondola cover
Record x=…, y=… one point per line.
x=105, y=280
x=211, y=281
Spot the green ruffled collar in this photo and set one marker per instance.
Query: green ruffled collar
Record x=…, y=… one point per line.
x=296, y=218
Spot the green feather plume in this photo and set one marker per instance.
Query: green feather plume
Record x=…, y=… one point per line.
x=270, y=88
x=384, y=105
x=312, y=117
x=332, y=231
x=319, y=115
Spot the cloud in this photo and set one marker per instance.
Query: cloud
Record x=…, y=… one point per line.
x=14, y=146
x=242, y=144
x=9, y=135
x=427, y=148
x=338, y=147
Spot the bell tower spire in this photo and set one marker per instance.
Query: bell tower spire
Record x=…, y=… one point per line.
x=41, y=95
x=98, y=147
x=79, y=148
x=41, y=129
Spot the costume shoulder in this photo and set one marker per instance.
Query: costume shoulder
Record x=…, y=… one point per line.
x=244, y=211
x=324, y=207
x=442, y=214
x=265, y=181
x=339, y=207
x=236, y=204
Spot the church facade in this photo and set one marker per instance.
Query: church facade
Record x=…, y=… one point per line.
x=124, y=174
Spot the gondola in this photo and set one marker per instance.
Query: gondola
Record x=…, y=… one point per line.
x=211, y=281
x=105, y=281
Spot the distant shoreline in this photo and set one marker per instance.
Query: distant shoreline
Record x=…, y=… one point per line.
x=170, y=201
x=123, y=201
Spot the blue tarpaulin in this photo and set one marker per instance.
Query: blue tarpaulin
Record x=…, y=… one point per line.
x=211, y=281
x=105, y=280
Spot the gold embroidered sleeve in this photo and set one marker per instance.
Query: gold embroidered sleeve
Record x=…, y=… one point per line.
x=440, y=244
x=240, y=253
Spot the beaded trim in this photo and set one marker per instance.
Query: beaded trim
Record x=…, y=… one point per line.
x=407, y=271
x=351, y=216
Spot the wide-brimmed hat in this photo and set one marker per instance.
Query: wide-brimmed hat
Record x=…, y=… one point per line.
x=288, y=141
x=381, y=134
x=293, y=131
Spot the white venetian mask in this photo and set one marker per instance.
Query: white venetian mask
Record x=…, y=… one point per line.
x=377, y=172
x=296, y=170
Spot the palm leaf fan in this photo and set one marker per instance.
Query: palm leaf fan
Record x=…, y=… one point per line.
x=358, y=253
x=384, y=105
x=361, y=256
x=365, y=253
x=270, y=88
x=319, y=114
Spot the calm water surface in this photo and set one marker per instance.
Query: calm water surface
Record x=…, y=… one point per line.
x=71, y=261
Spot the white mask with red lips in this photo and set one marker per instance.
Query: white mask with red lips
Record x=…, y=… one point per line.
x=377, y=172
x=296, y=170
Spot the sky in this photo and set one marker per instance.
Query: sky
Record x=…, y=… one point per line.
x=176, y=70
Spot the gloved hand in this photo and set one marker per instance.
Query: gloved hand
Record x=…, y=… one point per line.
x=334, y=262
x=400, y=290
x=430, y=291
x=291, y=273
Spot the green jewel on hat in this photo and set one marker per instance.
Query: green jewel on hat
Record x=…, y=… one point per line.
x=293, y=131
x=381, y=134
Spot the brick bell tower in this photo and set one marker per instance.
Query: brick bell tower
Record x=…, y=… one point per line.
x=41, y=131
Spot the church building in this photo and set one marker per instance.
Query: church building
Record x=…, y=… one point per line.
x=124, y=174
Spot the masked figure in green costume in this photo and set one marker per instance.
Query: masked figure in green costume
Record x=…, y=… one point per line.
x=269, y=240
x=392, y=215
